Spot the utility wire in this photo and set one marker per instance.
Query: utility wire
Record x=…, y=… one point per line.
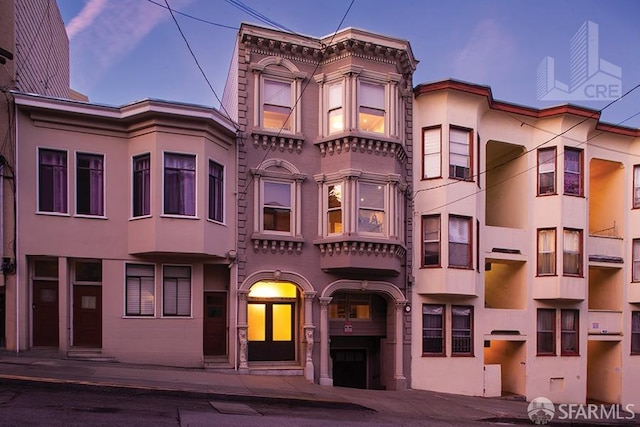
x=193, y=55
x=522, y=123
x=194, y=17
x=243, y=7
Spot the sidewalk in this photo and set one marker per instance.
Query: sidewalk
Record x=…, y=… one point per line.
x=50, y=368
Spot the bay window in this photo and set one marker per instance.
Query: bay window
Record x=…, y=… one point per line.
x=572, y=254
x=335, y=111
x=460, y=153
x=52, y=181
x=216, y=191
x=371, y=110
x=276, y=105
x=459, y=242
x=433, y=330
x=573, y=172
x=546, y=252
x=635, y=261
x=90, y=184
x=371, y=212
x=635, y=332
x=432, y=146
x=334, y=210
x=546, y=171
x=546, y=332
x=141, y=185
x=276, y=206
x=431, y=241
x=179, y=184
x=636, y=186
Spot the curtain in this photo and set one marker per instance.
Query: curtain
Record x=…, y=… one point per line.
x=432, y=146
x=431, y=239
x=277, y=93
x=460, y=329
x=96, y=185
x=546, y=252
x=635, y=276
x=432, y=328
x=459, y=148
x=636, y=186
x=141, y=185
x=180, y=184
x=546, y=171
x=572, y=172
x=569, y=328
x=459, y=240
x=216, y=191
x=546, y=330
x=572, y=259
x=372, y=96
x=53, y=181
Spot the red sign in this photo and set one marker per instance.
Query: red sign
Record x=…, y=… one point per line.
x=348, y=328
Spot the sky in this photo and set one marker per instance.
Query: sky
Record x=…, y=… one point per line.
x=122, y=51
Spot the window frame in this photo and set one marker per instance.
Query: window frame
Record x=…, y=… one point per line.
x=579, y=254
x=469, y=353
x=216, y=205
x=372, y=110
x=141, y=208
x=263, y=206
x=347, y=303
x=383, y=224
x=573, y=332
x=469, y=244
x=635, y=260
x=469, y=155
x=165, y=279
x=183, y=208
x=127, y=276
x=339, y=84
x=635, y=197
x=436, y=154
x=635, y=333
x=332, y=209
x=63, y=209
x=554, y=260
x=442, y=329
x=554, y=171
x=288, y=123
x=553, y=332
x=425, y=242
x=580, y=172
x=102, y=186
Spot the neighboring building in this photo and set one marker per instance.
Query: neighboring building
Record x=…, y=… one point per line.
x=324, y=215
x=527, y=271
x=126, y=231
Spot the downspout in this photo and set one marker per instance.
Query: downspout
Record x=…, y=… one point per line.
x=15, y=229
x=235, y=267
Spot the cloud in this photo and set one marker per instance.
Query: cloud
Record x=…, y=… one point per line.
x=487, y=54
x=105, y=31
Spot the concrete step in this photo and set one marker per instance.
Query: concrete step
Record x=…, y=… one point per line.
x=284, y=370
x=89, y=354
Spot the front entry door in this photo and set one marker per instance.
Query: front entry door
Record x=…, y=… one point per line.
x=215, y=324
x=87, y=316
x=350, y=368
x=271, y=331
x=45, y=313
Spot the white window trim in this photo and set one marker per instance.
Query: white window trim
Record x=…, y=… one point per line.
x=195, y=191
x=176, y=316
x=104, y=185
x=41, y=212
x=155, y=291
x=131, y=183
x=224, y=192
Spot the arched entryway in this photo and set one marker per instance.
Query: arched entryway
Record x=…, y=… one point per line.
x=361, y=328
x=275, y=320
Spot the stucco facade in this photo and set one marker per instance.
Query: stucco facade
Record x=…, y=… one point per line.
x=526, y=271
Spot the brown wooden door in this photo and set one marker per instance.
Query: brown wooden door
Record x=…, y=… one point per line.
x=87, y=316
x=45, y=313
x=215, y=324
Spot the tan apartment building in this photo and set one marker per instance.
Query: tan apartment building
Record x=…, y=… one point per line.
x=526, y=263
x=324, y=228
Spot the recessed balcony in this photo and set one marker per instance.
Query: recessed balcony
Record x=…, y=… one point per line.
x=559, y=288
x=446, y=282
x=605, y=322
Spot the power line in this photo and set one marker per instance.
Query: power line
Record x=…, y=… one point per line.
x=243, y=7
x=194, y=17
x=193, y=55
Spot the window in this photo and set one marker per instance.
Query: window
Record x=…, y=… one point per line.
x=176, y=291
x=141, y=185
x=573, y=172
x=52, y=181
x=334, y=210
x=216, y=191
x=276, y=208
x=350, y=306
x=546, y=252
x=140, y=292
x=569, y=332
x=88, y=271
x=459, y=242
x=90, y=184
x=276, y=108
x=433, y=329
x=371, y=112
x=546, y=171
x=546, y=332
x=371, y=214
x=461, y=331
x=635, y=273
x=459, y=153
x=335, y=111
x=572, y=256
x=635, y=332
x=431, y=241
x=432, y=146
x=179, y=184
x=636, y=186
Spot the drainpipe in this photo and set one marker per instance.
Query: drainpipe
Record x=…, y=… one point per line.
x=15, y=228
x=235, y=261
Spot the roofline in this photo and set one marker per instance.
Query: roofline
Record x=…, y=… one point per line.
x=125, y=111
x=539, y=113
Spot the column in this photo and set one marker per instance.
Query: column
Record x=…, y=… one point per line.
x=399, y=379
x=242, y=329
x=324, y=341
x=309, y=369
